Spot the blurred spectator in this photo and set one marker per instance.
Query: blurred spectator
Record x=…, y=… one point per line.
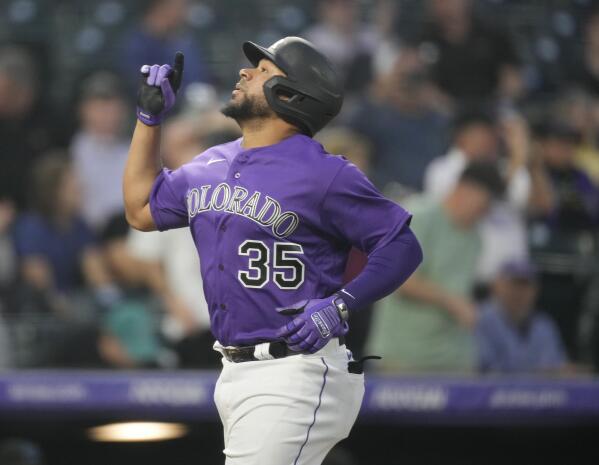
x=512, y=336
x=576, y=198
x=6, y=358
x=8, y=260
x=173, y=274
x=54, y=244
x=99, y=149
x=25, y=126
x=129, y=336
x=581, y=110
x=401, y=120
x=586, y=74
x=124, y=334
x=471, y=61
x=427, y=324
x=385, y=20
x=563, y=231
x=475, y=137
x=8, y=269
x=589, y=326
x=16, y=451
x=160, y=33
x=341, y=35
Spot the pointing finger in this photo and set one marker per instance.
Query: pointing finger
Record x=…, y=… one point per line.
x=179, y=61
x=177, y=74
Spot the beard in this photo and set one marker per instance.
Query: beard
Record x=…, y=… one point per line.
x=249, y=108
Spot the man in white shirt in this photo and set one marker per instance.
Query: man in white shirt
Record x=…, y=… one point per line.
x=99, y=150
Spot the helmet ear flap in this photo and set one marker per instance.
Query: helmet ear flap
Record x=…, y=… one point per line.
x=290, y=103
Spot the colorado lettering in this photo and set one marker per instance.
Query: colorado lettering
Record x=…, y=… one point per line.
x=267, y=212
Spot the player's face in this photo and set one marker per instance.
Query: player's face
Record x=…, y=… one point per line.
x=247, y=99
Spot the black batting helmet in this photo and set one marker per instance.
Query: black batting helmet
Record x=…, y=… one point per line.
x=313, y=88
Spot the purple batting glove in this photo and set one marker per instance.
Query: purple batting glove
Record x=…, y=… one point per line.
x=158, y=90
x=317, y=323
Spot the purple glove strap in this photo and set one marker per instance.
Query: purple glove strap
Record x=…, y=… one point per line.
x=387, y=269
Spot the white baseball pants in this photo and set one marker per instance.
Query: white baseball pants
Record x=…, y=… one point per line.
x=287, y=411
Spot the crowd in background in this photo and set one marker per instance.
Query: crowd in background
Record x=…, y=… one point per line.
x=480, y=117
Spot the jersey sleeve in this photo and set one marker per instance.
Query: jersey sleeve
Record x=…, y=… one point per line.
x=355, y=211
x=167, y=200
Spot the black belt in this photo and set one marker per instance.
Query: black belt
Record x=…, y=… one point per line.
x=275, y=349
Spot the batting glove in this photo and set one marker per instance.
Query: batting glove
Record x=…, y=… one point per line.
x=318, y=322
x=159, y=87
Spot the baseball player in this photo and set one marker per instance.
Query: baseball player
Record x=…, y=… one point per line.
x=273, y=217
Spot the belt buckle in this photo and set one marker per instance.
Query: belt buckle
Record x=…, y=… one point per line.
x=238, y=354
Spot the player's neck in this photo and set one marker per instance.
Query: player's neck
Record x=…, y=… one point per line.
x=265, y=133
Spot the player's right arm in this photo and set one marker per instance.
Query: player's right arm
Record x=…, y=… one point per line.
x=156, y=96
x=141, y=170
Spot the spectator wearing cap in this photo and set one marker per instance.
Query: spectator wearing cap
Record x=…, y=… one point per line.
x=563, y=231
x=512, y=336
x=575, y=203
x=427, y=325
x=477, y=136
x=99, y=149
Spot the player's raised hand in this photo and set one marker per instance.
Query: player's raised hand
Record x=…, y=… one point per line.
x=159, y=87
x=318, y=321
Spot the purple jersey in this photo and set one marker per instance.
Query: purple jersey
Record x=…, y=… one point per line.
x=272, y=225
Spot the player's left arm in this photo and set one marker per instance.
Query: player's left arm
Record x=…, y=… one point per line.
x=355, y=211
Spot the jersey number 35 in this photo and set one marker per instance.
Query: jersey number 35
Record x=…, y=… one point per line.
x=287, y=269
